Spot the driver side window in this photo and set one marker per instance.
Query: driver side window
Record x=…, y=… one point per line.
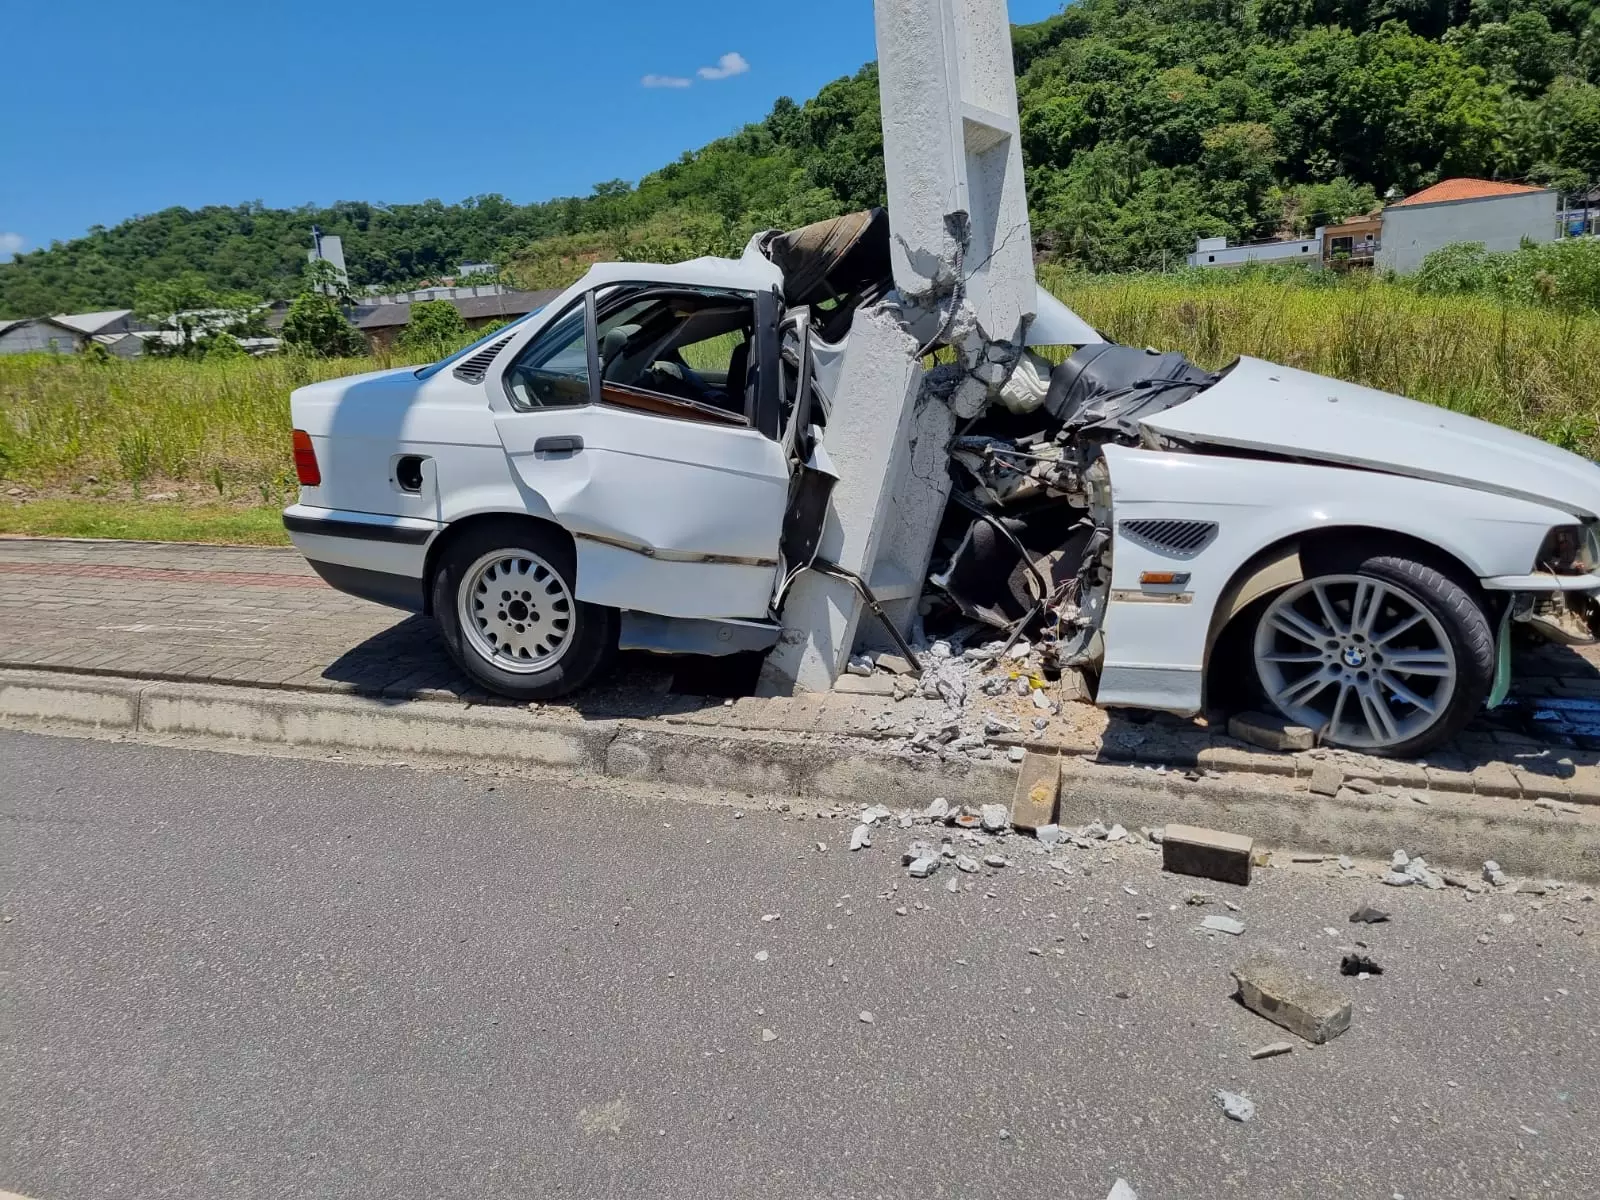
x=553, y=371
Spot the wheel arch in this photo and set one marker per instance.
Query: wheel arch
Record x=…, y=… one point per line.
x=452, y=533
x=1284, y=563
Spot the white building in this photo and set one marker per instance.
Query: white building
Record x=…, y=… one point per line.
x=1499, y=215
x=69, y=333
x=1215, y=252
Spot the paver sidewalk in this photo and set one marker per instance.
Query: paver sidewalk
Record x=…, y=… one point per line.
x=261, y=617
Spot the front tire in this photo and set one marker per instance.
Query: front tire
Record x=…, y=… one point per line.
x=505, y=597
x=1376, y=652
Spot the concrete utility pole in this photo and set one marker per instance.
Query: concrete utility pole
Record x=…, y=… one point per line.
x=963, y=270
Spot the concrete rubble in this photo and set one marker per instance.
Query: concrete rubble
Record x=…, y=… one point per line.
x=1234, y=1106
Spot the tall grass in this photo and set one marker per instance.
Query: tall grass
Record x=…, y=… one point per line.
x=1531, y=368
x=223, y=426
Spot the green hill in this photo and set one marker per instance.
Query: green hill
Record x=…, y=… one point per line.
x=1145, y=124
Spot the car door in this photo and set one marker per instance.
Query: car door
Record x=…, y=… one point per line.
x=656, y=447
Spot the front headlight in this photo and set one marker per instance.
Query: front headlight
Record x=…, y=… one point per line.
x=1570, y=550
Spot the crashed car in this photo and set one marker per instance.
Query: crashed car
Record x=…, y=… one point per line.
x=642, y=464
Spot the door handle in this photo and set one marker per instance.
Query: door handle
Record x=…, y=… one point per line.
x=569, y=444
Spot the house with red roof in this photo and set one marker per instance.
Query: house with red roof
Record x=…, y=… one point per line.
x=1499, y=215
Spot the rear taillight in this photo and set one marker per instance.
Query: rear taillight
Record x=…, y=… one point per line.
x=305, y=460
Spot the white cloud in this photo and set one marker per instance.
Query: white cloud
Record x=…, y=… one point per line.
x=11, y=243
x=727, y=66
x=666, y=81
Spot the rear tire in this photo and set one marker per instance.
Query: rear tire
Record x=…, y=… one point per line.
x=505, y=597
x=1378, y=653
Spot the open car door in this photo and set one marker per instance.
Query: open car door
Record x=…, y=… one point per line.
x=646, y=420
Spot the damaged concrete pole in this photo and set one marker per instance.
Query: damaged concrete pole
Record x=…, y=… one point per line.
x=962, y=257
x=958, y=207
x=869, y=441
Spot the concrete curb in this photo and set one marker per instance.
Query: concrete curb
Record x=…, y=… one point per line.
x=1454, y=829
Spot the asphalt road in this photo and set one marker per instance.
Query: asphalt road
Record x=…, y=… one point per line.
x=241, y=977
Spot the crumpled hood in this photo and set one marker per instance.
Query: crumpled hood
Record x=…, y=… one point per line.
x=1278, y=410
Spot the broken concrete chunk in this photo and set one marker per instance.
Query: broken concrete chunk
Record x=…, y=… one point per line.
x=1365, y=787
x=1116, y=833
x=1493, y=874
x=1235, y=1106
x=994, y=817
x=995, y=860
x=1207, y=853
x=1048, y=835
x=1022, y=686
x=993, y=724
x=953, y=884
x=871, y=816
x=1396, y=879
x=1420, y=871
x=1271, y=732
x=861, y=837
x=1268, y=986
x=1326, y=780
x=966, y=864
x=1223, y=925
x=1041, y=701
x=938, y=808
x=895, y=664
x=1094, y=829
x=923, y=867
x=1121, y=1191
x=1368, y=915
x=1399, y=860
x=917, y=849
x=1272, y=1050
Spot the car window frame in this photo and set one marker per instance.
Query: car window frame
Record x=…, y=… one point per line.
x=663, y=404
x=591, y=358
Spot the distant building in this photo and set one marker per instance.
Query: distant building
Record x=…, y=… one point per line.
x=330, y=249
x=1215, y=252
x=69, y=333
x=1499, y=215
x=382, y=323
x=467, y=269
x=1352, y=243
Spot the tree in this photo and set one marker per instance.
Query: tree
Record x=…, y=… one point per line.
x=435, y=328
x=186, y=307
x=315, y=326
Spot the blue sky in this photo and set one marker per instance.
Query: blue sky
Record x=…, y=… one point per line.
x=190, y=102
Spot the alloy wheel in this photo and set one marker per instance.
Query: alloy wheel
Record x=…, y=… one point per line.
x=1362, y=661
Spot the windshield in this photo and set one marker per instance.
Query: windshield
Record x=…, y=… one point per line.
x=433, y=369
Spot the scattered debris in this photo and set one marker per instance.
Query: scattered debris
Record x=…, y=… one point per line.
x=1326, y=779
x=1223, y=925
x=1199, y=898
x=966, y=864
x=1359, y=965
x=1272, y=1050
x=1268, y=986
x=1555, y=806
x=1365, y=787
x=866, y=1018
x=996, y=860
x=1234, y=1106
x=923, y=867
x=938, y=809
x=871, y=816
x=1048, y=835
x=1307, y=858
x=895, y=664
x=1493, y=874
x=861, y=837
x=768, y=1036
x=1208, y=853
x=994, y=817
x=1368, y=915
x=1396, y=879
x=1271, y=732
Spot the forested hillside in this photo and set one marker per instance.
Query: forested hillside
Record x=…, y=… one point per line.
x=1146, y=123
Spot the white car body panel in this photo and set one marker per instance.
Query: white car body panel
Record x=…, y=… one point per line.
x=1279, y=410
x=1156, y=644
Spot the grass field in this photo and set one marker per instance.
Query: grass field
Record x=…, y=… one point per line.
x=86, y=444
